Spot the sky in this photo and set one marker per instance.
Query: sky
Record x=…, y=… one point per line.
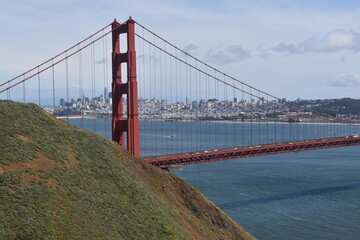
x=290, y=48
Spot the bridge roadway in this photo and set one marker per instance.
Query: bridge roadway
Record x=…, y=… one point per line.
x=173, y=160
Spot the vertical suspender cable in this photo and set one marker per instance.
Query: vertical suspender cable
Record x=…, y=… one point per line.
x=259, y=118
x=105, y=86
x=197, y=125
x=160, y=93
x=234, y=116
x=243, y=116
x=267, y=119
x=144, y=79
x=290, y=128
x=228, y=118
x=150, y=94
x=53, y=85
x=67, y=86
x=24, y=90
x=176, y=98
x=93, y=102
x=170, y=98
x=190, y=102
x=155, y=84
x=94, y=75
x=251, y=119
x=322, y=129
x=217, y=110
x=165, y=95
x=282, y=126
x=275, y=124
x=8, y=91
x=208, y=110
x=297, y=137
x=187, y=104
x=317, y=123
x=160, y=84
x=81, y=92
x=39, y=89
x=307, y=127
x=198, y=107
x=190, y=107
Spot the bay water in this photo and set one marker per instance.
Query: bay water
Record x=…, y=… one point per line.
x=306, y=195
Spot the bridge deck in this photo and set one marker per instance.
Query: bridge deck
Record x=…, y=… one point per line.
x=166, y=161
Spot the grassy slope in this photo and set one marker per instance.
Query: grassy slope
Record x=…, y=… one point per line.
x=60, y=182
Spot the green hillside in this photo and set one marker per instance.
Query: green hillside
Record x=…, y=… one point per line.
x=345, y=106
x=60, y=182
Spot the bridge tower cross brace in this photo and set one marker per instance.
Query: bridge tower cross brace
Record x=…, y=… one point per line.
x=120, y=125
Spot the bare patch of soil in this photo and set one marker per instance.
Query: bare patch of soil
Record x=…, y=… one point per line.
x=40, y=163
x=72, y=161
x=53, y=183
x=27, y=177
x=24, y=138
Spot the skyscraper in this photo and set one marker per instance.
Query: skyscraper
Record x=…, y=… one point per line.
x=106, y=93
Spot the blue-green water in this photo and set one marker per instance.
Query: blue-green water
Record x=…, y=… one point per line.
x=307, y=195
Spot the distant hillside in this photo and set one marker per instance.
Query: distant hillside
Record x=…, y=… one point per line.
x=60, y=182
x=344, y=106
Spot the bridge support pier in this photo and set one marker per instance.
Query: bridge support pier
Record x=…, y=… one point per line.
x=120, y=124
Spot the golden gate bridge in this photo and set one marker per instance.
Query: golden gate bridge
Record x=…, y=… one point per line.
x=146, y=66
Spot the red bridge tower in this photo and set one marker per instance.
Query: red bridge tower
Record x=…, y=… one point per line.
x=130, y=125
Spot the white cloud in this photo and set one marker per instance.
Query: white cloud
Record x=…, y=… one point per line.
x=345, y=80
x=262, y=52
x=231, y=54
x=340, y=40
x=288, y=48
x=333, y=42
x=191, y=49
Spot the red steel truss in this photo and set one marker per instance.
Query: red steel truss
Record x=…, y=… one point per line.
x=174, y=160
